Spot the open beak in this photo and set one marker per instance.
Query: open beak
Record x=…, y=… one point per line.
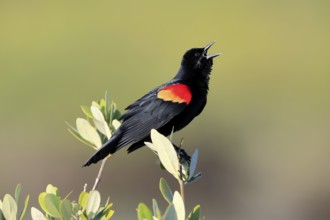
x=207, y=47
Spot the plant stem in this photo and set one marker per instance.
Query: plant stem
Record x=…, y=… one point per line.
x=98, y=178
x=181, y=183
x=181, y=189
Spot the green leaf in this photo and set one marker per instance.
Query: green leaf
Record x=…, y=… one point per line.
x=83, y=199
x=50, y=189
x=195, y=177
x=166, y=153
x=93, y=203
x=51, y=205
x=195, y=214
x=144, y=212
x=41, y=200
x=109, y=214
x=151, y=146
x=114, y=113
x=99, y=122
x=76, y=208
x=9, y=207
x=87, y=112
x=83, y=216
x=37, y=215
x=106, y=212
x=116, y=124
x=193, y=163
x=102, y=104
x=165, y=190
x=87, y=132
x=18, y=192
x=0, y=204
x=179, y=206
x=25, y=207
x=66, y=209
x=156, y=209
x=107, y=105
x=96, y=104
x=1, y=215
x=76, y=134
x=170, y=213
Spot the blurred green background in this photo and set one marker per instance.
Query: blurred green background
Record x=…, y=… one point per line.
x=263, y=137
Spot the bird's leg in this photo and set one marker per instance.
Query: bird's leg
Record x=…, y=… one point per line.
x=182, y=153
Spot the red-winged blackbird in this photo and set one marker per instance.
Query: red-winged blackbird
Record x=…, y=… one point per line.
x=172, y=105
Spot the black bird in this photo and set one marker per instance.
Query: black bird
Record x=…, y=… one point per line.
x=172, y=105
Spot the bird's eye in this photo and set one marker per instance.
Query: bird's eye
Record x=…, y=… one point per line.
x=197, y=54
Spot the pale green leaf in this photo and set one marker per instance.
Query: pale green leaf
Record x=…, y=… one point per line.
x=116, y=124
x=37, y=215
x=102, y=104
x=151, y=146
x=165, y=190
x=193, y=163
x=25, y=207
x=195, y=214
x=86, y=110
x=185, y=170
x=107, y=105
x=84, y=217
x=18, y=192
x=96, y=104
x=52, y=205
x=66, y=209
x=97, y=114
x=52, y=189
x=87, y=132
x=1, y=215
x=166, y=153
x=76, y=208
x=93, y=203
x=144, y=212
x=9, y=207
x=83, y=199
x=76, y=134
x=99, y=122
x=0, y=204
x=179, y=206
x=156, y=209
x=170, y=213
x=109, y=214
x=41, y=200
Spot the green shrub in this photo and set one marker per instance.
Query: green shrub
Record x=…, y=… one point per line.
x=101, y=120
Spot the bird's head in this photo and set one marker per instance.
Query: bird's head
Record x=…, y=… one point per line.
x=198, y=59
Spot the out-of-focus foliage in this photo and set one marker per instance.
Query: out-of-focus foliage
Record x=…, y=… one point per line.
x=54, y=207
x=174, y=210
x=9, y=209
x=88, y=206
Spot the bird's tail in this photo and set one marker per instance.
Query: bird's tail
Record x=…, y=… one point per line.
x=109, y=147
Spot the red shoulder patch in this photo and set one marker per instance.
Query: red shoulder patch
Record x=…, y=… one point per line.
x=179, y=93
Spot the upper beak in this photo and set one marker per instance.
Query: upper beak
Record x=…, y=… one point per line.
x=208, y=47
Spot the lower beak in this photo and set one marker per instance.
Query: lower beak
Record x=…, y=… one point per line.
x=211, y=56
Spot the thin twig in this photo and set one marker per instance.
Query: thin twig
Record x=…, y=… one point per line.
x=98, y=178
x=181, y=183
